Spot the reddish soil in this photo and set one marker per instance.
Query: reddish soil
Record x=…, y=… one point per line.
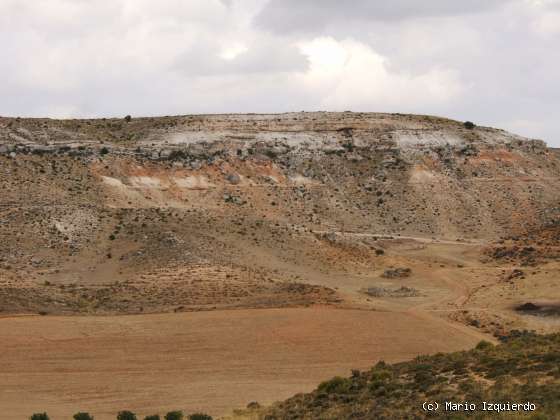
x=210, y=361
x=273, y=224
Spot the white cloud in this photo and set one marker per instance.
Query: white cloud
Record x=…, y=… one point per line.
x=491, y=61
x=349, y=72
x=548, y=24
x=232, y=51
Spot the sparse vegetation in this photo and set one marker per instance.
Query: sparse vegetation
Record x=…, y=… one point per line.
x=200, y=416
x=253, y=405
x=174, y=415
x=397, y=272
x=126, y=415
x=507, y=372
x=83, y=416
x=484, y=345
x=336, y=385
x=172, y=220
x=403, y=291
x=129, y=415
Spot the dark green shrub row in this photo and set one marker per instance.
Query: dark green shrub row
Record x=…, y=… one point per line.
x=129, y=415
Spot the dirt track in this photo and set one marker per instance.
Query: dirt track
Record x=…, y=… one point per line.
x=151, y=363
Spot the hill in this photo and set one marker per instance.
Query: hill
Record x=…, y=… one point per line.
x=508, y=377
x=261, y=254
x=94, y=211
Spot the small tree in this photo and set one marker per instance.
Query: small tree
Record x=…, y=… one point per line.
x=82, y=416
x=153, y=417
x=39, y=416
x=128, y=118
x=174, y=415
x=126, y=415
x=200, y=416
x=469, y=125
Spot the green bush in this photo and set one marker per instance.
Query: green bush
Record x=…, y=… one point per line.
x=469, y=125
x=336, y=385
x=525, y=367
x=174, y=415
x=126, y=415
x=200, y=416
x=153, y=417
x=82, y=416
x=483, y=345
x=39, y=416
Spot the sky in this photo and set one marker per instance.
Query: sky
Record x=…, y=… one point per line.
x=493, y=62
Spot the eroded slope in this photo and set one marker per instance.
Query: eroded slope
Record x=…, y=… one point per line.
x=199, y=212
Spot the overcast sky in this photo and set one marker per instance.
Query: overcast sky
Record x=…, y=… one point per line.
x=495, y=62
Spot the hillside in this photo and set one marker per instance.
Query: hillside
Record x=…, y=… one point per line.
x=523, y=369
x=245, y=210
x=261, y=255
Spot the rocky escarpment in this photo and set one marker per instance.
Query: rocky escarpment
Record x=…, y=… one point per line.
x=107, y=200
x=390, y=173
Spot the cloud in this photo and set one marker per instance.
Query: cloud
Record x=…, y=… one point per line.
x=548, y=25
x=263, y=55
x=493, y=62
x=352, y=73
x=305, y=16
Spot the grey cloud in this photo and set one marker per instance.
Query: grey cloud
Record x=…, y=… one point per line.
x=261, y=56
x=118, y=57
x=310, y=16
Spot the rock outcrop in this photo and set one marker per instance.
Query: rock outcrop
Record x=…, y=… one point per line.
x=112, y=198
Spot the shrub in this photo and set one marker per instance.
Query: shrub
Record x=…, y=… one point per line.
x=336, y=385
x=39, y=416
x=104, y=150
x=82, y=416
x=253, y=405
x=469, y=125
x=483, y=345
x=348, y=146
x=200, y=416
x=271, y=153
x=126, y=415
x=174, y=415
x=128, y=118
x=153, y=417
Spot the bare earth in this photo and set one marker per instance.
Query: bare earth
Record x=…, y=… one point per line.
x=204, y=262
x=154, y=363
